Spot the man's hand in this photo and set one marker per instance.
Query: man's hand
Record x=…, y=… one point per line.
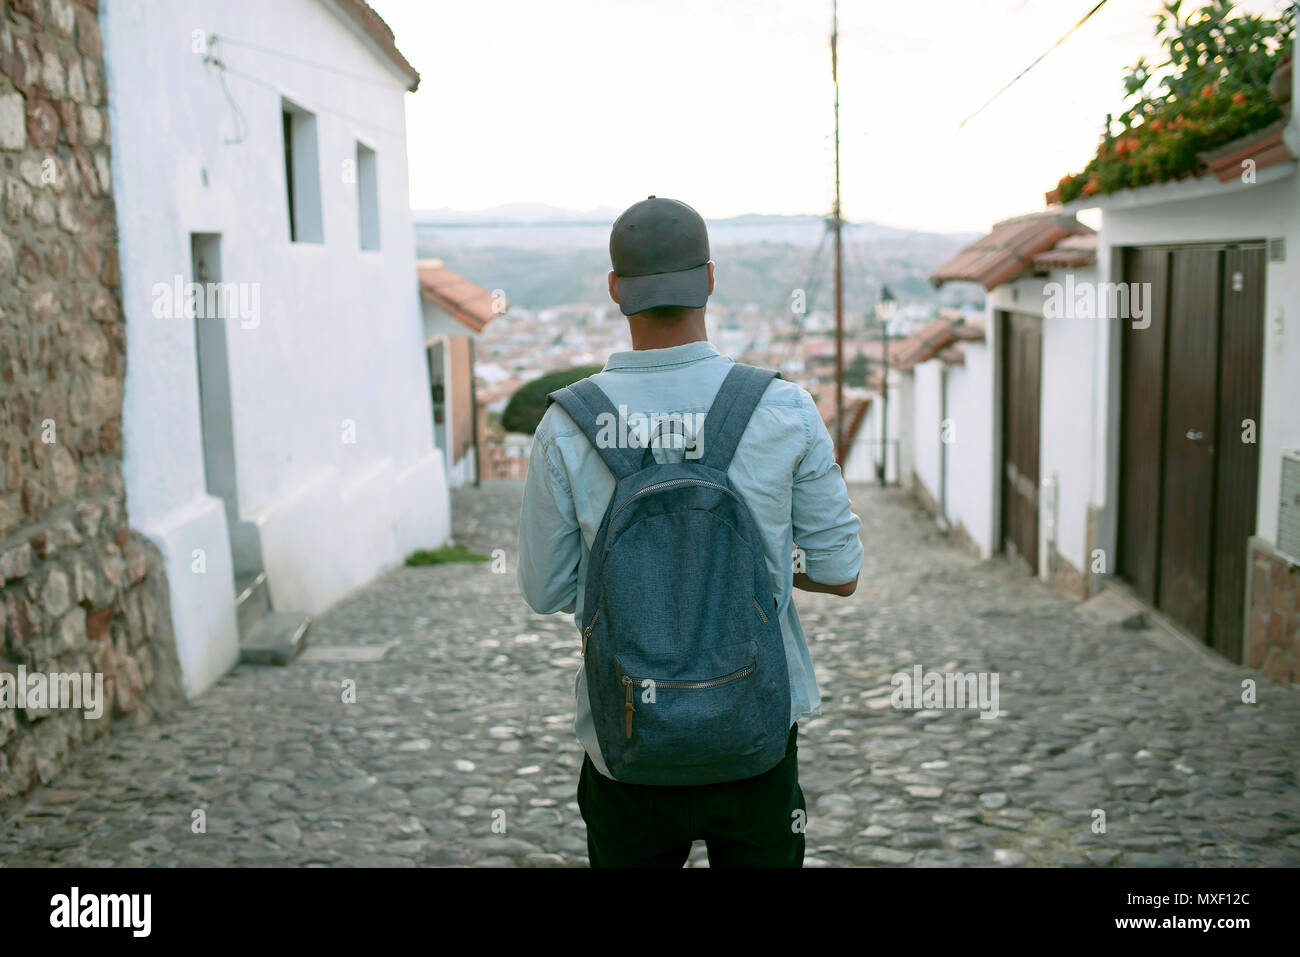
x=804, y=583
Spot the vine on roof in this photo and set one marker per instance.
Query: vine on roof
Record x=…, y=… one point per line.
x=1212, y=88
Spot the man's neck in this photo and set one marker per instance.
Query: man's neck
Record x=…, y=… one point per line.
x=656, y=334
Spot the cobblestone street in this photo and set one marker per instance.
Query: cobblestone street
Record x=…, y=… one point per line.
x=464, y=709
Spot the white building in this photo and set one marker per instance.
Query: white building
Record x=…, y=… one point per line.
x=455, y=311
x=935, y=443
x=1137, y=424
x=293, y=438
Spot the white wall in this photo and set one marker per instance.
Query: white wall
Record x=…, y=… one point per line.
x=859, y=464
x=969, y=462
x=864, y=456
x=906, y=404
x=927, y=403
x=1068, y=428
x=440, y=327
x=338, y=336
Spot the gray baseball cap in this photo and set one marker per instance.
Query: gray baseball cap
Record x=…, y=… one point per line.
x=659, y=249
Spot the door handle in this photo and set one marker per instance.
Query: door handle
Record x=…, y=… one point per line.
x=1194, y=435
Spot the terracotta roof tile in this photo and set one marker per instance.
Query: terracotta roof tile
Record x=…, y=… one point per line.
x=1008, y=250
x=932, y=339
x=1265, y=146
x=461, y=298
x=1072, y=252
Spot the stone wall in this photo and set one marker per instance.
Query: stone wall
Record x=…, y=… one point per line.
x=1273, y=622
x=80, y=592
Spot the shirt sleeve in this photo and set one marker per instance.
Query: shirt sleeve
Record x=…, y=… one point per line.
x=825, y=527
x=550, y=544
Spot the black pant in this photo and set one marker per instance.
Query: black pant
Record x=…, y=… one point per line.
x=755, y=822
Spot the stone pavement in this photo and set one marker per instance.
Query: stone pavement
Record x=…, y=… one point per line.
x=463, y=712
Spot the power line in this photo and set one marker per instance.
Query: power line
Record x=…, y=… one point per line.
x=1086, y=17
x=360, y=78
x=795, y=329
x=224, y=68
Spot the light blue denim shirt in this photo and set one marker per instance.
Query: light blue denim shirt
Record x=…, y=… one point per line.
x=784, y=469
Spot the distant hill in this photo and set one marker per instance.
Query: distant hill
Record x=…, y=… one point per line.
x=517, y=213
x=545, y=256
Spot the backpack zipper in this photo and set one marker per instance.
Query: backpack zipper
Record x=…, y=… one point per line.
x=659, y=485
x=630, y=684
x=760, y=612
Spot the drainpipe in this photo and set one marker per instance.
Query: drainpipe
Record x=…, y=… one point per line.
x=473, y=416
x=1051, y=486
x=943, y=445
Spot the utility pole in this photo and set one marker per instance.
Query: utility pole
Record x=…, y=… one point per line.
x=837, y=225
x=886, y=304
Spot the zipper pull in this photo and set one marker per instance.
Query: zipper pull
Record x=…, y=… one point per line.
x=628, y=707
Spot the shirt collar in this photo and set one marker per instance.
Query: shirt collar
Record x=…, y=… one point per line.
x=662, y=358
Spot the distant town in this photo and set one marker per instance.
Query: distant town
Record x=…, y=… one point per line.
x=773, y=306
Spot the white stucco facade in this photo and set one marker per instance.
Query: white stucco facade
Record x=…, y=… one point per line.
x=864, y=456
x=1071, y=434
x=334, y=475
x=927, y=415
x=947, y=416
x=439, y=330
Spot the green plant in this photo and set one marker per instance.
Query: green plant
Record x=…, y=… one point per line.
x=858, y=372
x=524, y=411
x=443, y=556
x=1211, y=88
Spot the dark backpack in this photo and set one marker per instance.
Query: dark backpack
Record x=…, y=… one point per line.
x=685, y=662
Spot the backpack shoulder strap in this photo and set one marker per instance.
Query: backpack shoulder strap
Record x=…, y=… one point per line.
x=586, y=403
x=735, y=402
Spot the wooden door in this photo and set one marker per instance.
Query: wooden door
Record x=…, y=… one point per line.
x=1241, y=358
x=1189, y=467
x=1022, y=352
x=1191, y=418
x=1142, y=385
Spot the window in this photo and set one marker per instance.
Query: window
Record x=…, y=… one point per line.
x=302, y=174
x=367, y=197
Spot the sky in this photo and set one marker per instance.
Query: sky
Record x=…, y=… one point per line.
x=727, y=104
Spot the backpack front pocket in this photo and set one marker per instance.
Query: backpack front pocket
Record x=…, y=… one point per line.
x=691, y=725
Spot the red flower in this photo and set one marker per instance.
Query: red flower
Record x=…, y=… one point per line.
x=1239, y=97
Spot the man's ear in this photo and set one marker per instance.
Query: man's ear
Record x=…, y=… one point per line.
x=710, y=277
x=613, y=285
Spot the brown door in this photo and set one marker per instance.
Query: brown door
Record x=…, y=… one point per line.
x=1241, y=357
x=1142, y=386
x=1022, y=353
x=1191, y=373
x=1189, y=467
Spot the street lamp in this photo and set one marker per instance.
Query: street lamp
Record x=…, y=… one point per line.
x=886, y=307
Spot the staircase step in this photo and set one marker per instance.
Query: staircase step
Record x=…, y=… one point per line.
x=277, y=639
x=1111, y=608
x=252, y=601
